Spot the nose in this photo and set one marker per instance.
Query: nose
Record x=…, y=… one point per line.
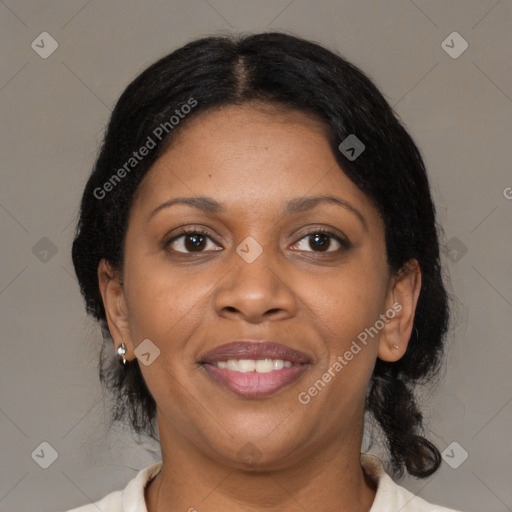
x=255, y=292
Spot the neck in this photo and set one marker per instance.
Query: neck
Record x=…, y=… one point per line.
x=331, y=479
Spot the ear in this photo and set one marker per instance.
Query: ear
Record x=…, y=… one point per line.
x=402, y=298
x=112, y=292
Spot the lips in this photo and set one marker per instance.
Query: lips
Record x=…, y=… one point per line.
x=253, y=384
x=255, y=350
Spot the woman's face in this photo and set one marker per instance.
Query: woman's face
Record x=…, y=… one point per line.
x=259, y=272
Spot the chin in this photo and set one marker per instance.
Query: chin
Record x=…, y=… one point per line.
x=258, y=454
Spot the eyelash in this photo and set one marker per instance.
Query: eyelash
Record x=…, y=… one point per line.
x=345, y=244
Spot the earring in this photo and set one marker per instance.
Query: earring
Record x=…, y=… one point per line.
x=395, y=346
x=121, y=351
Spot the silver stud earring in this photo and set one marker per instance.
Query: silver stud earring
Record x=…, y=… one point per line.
x=395, y=346
x=121, y=351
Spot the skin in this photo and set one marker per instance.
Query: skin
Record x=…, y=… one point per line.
x=253, y=159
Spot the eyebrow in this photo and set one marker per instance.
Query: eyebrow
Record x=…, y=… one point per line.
x=297, y=205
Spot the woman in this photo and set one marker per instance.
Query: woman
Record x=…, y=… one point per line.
x=258, y=241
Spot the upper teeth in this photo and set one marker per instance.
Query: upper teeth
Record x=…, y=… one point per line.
x=251, y=365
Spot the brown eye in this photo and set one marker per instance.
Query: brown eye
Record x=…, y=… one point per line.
x=190, y=242
x=321, y=241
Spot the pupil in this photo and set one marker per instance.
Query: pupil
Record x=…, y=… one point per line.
x=197, y=240
x=318, y=241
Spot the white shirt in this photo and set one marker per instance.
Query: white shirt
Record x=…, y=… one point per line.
x=390, y=497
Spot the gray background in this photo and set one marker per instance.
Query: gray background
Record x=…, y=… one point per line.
x=53, y=113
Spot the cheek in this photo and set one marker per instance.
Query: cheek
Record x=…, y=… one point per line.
x=161, y=300
x=350, y=308
x=353, y=300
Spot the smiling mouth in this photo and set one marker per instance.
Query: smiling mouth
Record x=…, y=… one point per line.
x=254, y=368
x=248, y=379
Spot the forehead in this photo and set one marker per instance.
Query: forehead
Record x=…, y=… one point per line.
x=231, y=138
x=247, y=155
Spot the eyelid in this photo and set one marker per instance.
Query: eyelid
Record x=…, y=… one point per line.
x=341, y=239
x=189, y=231
x=330, y=232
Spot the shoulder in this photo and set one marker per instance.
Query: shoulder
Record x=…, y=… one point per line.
x=405, y=500
x=132, y=494
x=390, y=496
